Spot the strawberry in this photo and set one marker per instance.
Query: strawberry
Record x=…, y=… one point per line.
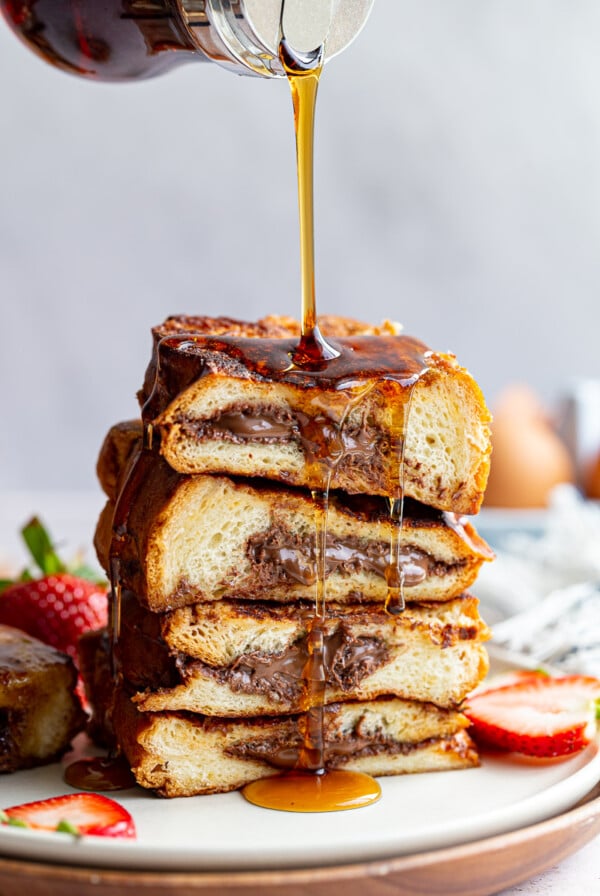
x=505, y=678
x=538, y=715
x=57, y=607
x=74, y=813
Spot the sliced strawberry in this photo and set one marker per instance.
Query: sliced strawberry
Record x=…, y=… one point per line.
x=76, y=813
x=506, y=678
x=538, y=716
x=58, y=607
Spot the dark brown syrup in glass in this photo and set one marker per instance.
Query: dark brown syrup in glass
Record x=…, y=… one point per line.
x=108, y=40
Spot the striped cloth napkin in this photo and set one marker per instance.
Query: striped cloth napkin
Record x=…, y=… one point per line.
x=542, y=595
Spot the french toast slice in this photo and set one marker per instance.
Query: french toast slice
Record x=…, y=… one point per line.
x=120, y=445
x=39, y=710
x=179, y=754
x=233, y=658
x=97, y=671
x=203, y=537
x=387, y=416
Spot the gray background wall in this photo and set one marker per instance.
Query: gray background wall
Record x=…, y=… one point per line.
x=458, y=190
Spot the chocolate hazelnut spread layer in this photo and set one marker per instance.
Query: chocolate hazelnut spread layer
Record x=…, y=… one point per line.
x=282, y=556
x=283, y=753
x=240, y=658
x=255, y=540
x=347, y=659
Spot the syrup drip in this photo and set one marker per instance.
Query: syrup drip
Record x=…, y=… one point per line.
x=138, y=471
x=100, y=773
x=310, y=787
x=115, y=614
x=113, y=772
x=314, y=677
x=395, y=573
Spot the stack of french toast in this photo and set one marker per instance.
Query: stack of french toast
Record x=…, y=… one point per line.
x=209, y=535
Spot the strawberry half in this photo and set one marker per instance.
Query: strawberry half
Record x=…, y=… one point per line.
x=57, y=607
x=75, y=813
x=537, y=716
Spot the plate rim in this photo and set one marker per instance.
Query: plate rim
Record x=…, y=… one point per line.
x=582, y=822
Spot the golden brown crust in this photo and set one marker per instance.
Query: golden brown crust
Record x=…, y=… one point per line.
x=39, y=711
x=235, y=366
x=183, y=755
x=274, y=326
x=167, y=567
x=243, y=658
x=97, y=673
x=120, y=442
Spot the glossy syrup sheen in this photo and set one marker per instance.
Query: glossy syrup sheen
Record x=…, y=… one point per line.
x=298, y=791
x=363, y=360
x=100, y=773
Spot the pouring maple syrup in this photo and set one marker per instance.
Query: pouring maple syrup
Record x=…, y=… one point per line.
x=108, y=41
x=310, y=787
x=124, y=40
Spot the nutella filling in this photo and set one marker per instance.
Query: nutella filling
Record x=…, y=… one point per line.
x=247, y=427
x=237, y=425
x=347, y=660
x=283, y=752
x=292, y=558
x=321, y=438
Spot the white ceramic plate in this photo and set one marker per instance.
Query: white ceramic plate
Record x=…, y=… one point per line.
x=416, y=813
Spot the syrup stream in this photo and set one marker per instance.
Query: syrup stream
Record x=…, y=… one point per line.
x=303, y=76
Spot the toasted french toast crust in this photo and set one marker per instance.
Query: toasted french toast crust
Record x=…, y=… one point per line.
x=179, y=754
x=255, y=541
x=228, y=405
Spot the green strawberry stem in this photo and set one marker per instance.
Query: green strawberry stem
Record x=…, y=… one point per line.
x=67, y=827
x=41, y=548
x=45, y=557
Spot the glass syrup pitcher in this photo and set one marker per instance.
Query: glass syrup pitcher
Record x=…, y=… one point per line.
x=120, y=40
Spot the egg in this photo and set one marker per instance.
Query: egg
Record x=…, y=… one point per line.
x=528, y=457
x=592, y=484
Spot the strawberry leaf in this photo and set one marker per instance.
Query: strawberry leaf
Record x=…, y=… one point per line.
x=41, y=548
x=83, y=571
